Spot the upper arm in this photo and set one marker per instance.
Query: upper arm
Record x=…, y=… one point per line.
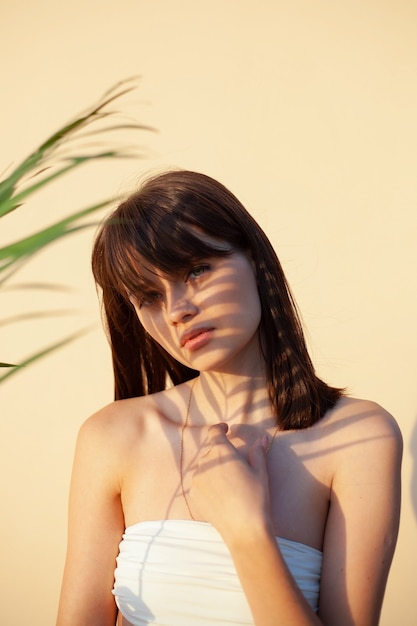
x=363, y=521
x=95, y=527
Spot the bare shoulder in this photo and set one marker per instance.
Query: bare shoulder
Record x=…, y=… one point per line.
x=363, y=434
x=115, y=418
x=122, y=421
x=357, y=419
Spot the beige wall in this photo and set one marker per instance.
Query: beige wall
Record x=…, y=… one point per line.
x=307, y=110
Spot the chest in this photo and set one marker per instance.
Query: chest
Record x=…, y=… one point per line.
x=299, y=481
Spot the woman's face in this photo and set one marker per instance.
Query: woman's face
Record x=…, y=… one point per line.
x=207, y=317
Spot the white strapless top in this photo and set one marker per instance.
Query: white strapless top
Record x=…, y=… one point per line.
x=180, y=573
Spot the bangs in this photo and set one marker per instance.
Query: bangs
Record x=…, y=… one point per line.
x=171, y=246
x=169, y=225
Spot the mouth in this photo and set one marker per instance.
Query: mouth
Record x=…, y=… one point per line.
x=194, y=339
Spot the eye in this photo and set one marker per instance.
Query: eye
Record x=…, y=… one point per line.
x=198, y=271
x=149, y=299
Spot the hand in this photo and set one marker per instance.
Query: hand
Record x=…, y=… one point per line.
x=227, y=490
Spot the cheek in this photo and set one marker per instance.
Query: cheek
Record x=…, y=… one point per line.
x=149, y=324
x=155, y=326
x=146, y=320
x=249, y=298
x=252, y=306
x=253, y=312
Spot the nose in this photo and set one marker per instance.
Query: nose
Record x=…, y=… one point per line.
x=180, y=306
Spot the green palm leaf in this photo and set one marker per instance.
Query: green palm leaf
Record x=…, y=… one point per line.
x=20, y=251
x=59, y=155
x=13, y=369
x=42, y=159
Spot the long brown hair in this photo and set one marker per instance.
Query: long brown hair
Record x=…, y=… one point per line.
x=158, y=225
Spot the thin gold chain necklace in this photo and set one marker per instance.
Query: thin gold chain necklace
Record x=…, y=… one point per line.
x=184, y=426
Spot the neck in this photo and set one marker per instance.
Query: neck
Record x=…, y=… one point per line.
x=231, y=399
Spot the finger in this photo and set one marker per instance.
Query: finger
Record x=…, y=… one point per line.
x=217, y=442
x=205, y=451
x=258, y=455
x=217, y=434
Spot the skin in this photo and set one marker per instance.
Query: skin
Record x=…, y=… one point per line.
x=334, y=487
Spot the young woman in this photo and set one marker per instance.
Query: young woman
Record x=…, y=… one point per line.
x=227, y=484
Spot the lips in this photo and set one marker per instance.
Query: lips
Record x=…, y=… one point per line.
x=195, y=338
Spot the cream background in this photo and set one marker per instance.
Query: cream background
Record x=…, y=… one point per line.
x=307, y=111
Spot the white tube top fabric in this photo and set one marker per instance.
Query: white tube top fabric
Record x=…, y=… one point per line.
x=180, y=573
